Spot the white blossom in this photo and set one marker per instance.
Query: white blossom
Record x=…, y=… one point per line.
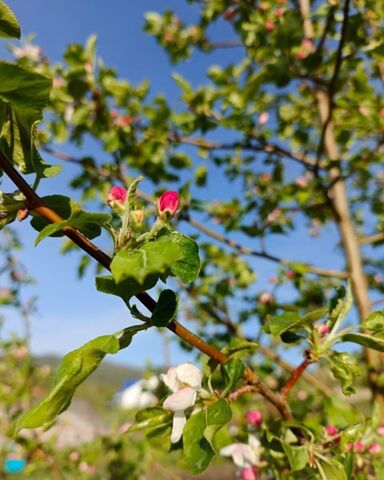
x=184, y=381
x=244, y=455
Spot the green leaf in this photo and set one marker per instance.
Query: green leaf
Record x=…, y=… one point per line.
x=9, y=26
x=292, y=321
x=197, y=451
x=219, y=414
x=73, y=370
x=297, y=456
x=239, y=347
x=165, y=309
x=374, y=323
x=154, y=257
x=89, y=224
x=345, y=369
x=153, y=417
x=23, y=96
x=175, y=253
x=232, y=370
x=369, y=341
x=187, y=268
x=199, y=433
x=126, y=289
x=340, y=305
x=331, y=469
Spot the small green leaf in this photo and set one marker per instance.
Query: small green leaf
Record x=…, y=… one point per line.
x=126, y=289
x=238, y=346
x=151, y=418
x=345, y=369
x=165, y=309
x=374, y=323
x=197, y=451
x=89, y=224
x=375, y=343
x=219, y=414
x=340, y=305
x=175, y=253
x=154, y=257
x=297, y=456
x=187, y=268
x=331, y=469
x=232, y=371
x=9, y=26
x=74, y=369
x=292, y=321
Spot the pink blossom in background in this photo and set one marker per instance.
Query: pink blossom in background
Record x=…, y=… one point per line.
x=249, y=473
x=263, y=118
x=254, y=417
x=374, y=448
x=265, y=297
x=331, y=430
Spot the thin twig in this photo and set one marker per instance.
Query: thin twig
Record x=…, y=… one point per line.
x=325, y=272
x=296, y=374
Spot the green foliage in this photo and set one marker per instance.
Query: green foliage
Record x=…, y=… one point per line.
x=73, y=370
x=23, y=96
x=9, y=26
x=197, y=449
x=170, y=254
x=291, y=321
x=165, y=309
x=89, y=224
x=232, y=371
x=298, y=456
x=345, y=368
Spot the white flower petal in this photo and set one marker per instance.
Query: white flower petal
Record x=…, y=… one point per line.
x=188, y=374
x=241, y=453
x=255, y=445
x=170, y=379
x=249, y=457
x=179, y=421
x=180, y=400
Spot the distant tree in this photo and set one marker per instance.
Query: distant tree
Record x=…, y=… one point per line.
x=289, y=132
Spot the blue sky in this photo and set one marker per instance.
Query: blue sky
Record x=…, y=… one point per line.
x=71, y=312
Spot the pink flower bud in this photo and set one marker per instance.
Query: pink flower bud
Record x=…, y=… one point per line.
x=323, y=329
x=374, y=448
x=273, y=280
x=358, y=447
x=249, y=473
x=331, y=430
x=116, y=195
x=265, y=298
x=123, y=121
x=270, y=26
x=380, y=430
x=291, y=275
x=168, y=203
x=263, y=118
x=254, y=417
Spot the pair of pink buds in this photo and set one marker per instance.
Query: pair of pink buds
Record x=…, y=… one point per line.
x=167, y=204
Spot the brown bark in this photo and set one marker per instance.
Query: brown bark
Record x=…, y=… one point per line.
x=339, y=199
